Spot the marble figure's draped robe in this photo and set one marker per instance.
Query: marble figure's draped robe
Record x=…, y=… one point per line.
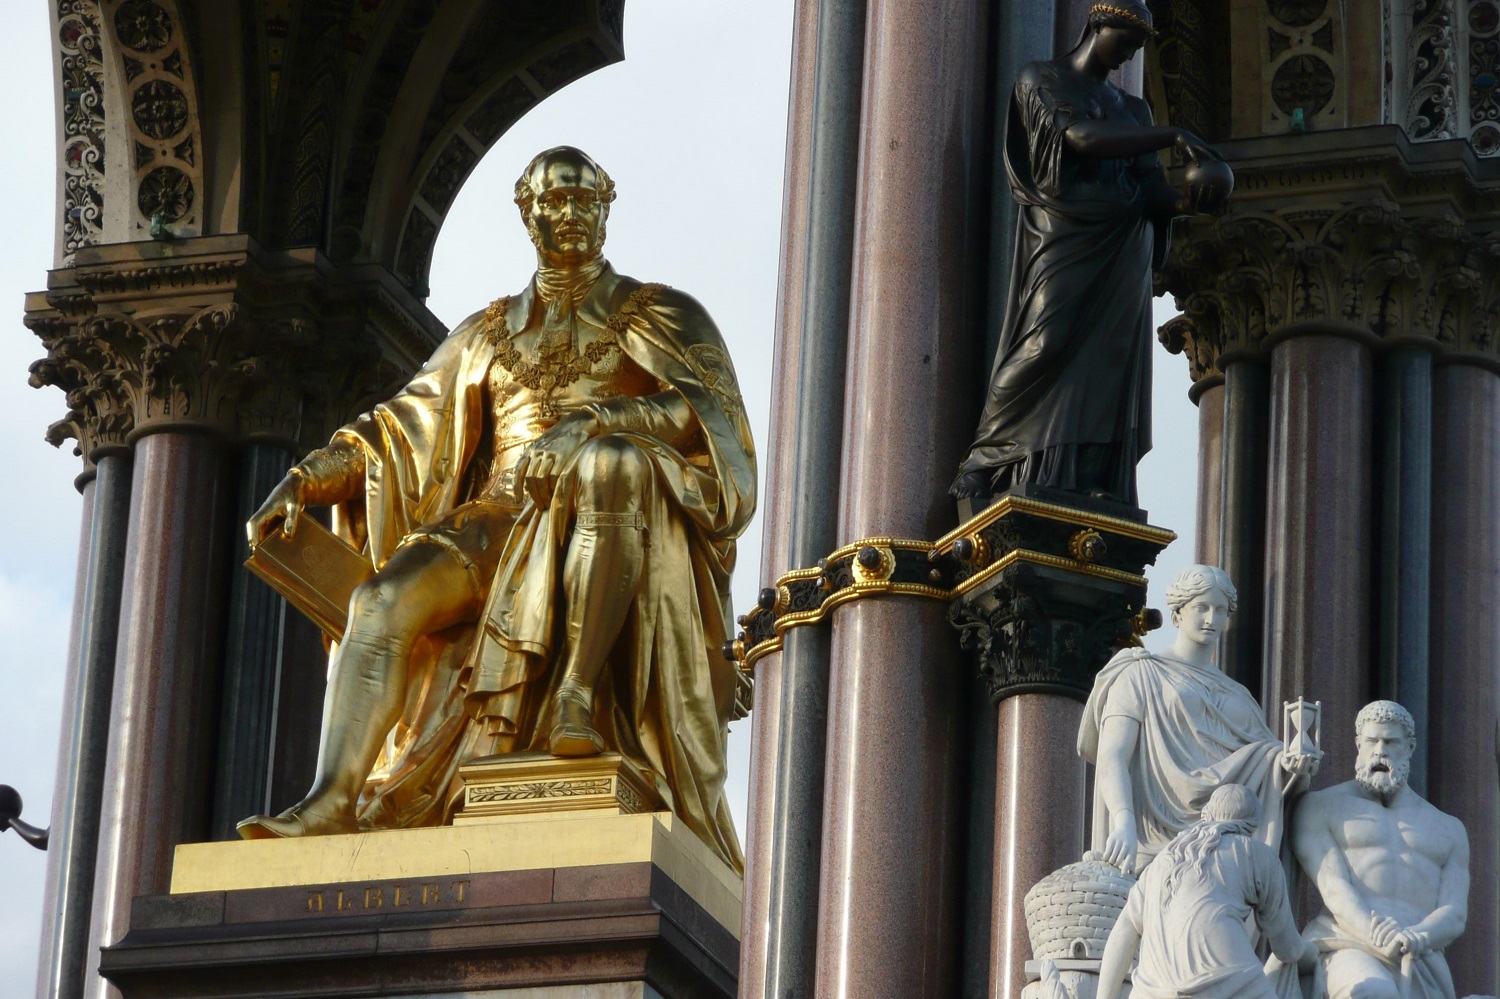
x=666, y=694
x=1198, y=729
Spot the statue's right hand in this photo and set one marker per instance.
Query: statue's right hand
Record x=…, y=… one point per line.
x=1122, y=845
x=1194, y=148
x=283, y=506
x=1385, y=934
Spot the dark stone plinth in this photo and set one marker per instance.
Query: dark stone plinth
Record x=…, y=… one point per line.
x=1048, y=589
x=612, y=923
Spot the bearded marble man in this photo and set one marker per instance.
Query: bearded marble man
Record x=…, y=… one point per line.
x=551, y=507
x=1392, y=870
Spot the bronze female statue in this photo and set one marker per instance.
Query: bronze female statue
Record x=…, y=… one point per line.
x=1069, y=401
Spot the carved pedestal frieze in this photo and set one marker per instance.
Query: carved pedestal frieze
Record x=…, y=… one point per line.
x=1049, y=592
x=222, y=336
x=1406, y=247
x=1042, y=591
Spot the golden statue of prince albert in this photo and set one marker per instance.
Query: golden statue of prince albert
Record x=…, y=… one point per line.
x=550, y=507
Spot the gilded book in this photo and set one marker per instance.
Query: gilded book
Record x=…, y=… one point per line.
x=315, y=570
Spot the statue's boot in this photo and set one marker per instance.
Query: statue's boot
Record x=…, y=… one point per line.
x=362, y=703
x=600, y=576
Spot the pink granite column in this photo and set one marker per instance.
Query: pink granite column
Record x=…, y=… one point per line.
x=758, y=935
x=1209, y=396
x=64, y=909
x=1318, y=534
x=161, y=739
x=1463, y=776
x=893, y=816
x=1039, y=824
x=65, y=963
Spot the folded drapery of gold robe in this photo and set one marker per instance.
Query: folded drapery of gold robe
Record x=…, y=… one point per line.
x=473, y=690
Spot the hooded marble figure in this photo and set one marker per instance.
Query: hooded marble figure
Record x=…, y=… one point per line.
x=1166, y=728
x=550, y=506
x=1070, y=394
x=1192, y=909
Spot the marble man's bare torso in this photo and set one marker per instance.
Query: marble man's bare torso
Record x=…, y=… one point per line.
x=1395, y=854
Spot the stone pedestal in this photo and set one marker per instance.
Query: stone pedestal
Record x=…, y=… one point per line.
x=1048, y=587
x=580, y=904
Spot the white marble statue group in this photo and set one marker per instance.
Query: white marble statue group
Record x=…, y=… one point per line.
x=1191, y=790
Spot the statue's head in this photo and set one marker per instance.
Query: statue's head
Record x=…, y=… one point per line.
x=564, y=199
x=1232, y=803
x=1385, y=736
x=1201, y=599
x=1121, y=29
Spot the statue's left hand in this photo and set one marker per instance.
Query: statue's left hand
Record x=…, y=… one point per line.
x=1303, y=765
x=539, y=467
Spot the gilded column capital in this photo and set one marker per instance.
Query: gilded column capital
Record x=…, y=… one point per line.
x=1394, y=251
x=218, y=335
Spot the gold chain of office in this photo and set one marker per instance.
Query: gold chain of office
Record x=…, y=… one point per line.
x=559, y=365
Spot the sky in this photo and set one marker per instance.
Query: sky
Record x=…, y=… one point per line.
x=692, y=128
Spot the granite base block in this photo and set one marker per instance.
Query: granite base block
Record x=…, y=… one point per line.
x=630, y=906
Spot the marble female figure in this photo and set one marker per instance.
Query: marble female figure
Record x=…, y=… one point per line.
x=1069, y=398
x=1165, y=729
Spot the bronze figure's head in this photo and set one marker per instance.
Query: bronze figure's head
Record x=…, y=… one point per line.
x=564, y=199
x=1122, y=29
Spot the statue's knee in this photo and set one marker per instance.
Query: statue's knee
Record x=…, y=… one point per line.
x=611, y=471
x=1373, y=986
x=375, y=603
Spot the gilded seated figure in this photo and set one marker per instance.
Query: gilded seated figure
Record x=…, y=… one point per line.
x=551, y=507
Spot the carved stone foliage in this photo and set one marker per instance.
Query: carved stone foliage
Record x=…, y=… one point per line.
x=1364, y=266
x=1039, y=629
x=81, y=158
x=1432, y=104
x=1483, y=21
x=1303, y=41
x=136, y=351
x=156, y=71
x=1182, y=59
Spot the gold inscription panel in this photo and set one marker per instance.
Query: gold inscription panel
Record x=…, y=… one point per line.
x=429, y=893
x=370, y=898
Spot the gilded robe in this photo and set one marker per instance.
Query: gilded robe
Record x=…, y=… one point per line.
x=667, y=693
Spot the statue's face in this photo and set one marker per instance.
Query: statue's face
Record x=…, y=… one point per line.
x=1203, y=618
x=1384, y=761
x=1118, y=45
x=566, y=218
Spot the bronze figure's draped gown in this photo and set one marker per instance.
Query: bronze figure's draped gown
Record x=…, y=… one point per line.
x=437, y=460
x=1070, y=394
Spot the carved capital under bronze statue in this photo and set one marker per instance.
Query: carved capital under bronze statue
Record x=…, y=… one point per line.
x=547, y=518
x=1069, y=404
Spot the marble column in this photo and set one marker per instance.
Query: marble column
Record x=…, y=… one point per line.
x=161, y=744
x=893, y=815
x=1404, y=488
x=1208, y=394
x=777, y=953
x=1318, y=534
x=1039, y=824
x=1242, y=529
x=1464, y=779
